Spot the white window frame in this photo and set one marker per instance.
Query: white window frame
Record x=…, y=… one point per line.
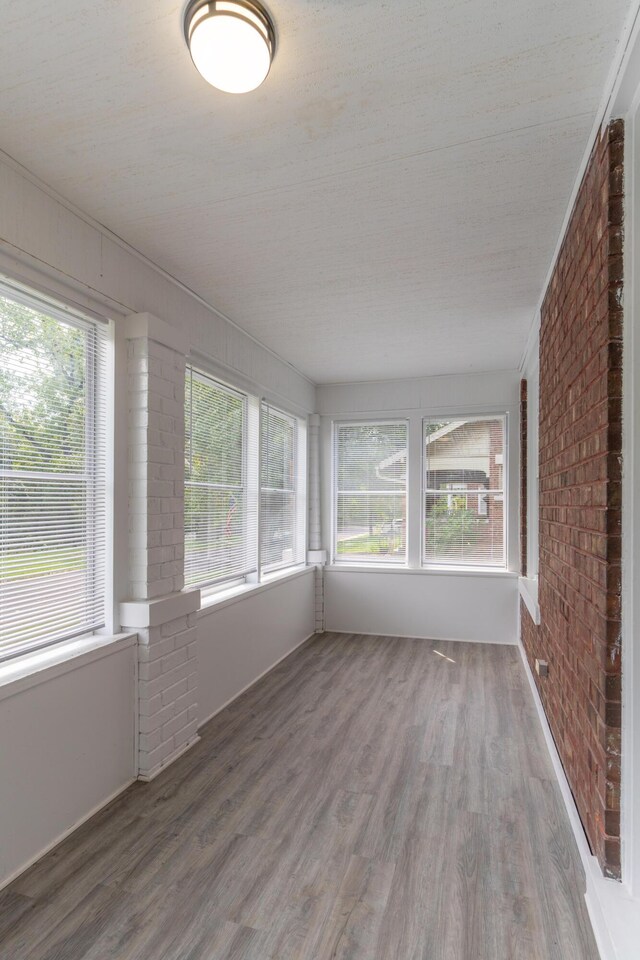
x=429, y=564
x=256, y=574
x=300, y=481
x=48, y=306
x=533, y=470
x=211, y=586
x=362, y=422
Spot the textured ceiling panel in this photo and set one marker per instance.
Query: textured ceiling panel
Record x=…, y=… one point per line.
x=386, y=205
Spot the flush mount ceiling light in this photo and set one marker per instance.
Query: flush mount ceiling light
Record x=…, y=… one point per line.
x=232, y=43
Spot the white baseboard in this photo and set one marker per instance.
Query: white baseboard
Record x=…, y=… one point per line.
x=255, y=680
x=159, y=767
x=614, y=914
x=63, y=836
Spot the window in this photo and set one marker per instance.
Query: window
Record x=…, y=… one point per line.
x=282, y=490
x=226, y=466
x=221, y=482
x=464, y=522
x=52, y=474
x=533, y=507
x=370, y=493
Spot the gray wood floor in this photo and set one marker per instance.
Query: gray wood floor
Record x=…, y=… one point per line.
x=369, y=798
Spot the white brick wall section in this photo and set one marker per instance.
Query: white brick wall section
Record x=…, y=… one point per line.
x=167, y=653
x=167, y=691
x=156, y=376
x=319, y=599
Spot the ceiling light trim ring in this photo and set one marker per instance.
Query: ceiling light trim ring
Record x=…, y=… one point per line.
x=191, y=20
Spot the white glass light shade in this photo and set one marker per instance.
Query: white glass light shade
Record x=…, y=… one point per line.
x=231, y=43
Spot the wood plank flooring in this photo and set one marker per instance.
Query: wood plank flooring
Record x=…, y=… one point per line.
x=370, y=799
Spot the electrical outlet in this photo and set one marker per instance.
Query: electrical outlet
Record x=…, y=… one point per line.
x=542, y=668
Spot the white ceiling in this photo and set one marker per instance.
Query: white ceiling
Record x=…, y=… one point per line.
x=386, y=205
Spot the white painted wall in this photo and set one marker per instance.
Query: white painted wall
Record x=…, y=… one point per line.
x=242, y=638
x=66, y=748
x=473, y=393
x=414, y=602
x=66, y=745
x=50, y=245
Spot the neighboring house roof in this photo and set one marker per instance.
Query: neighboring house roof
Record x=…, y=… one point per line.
x=464, y=454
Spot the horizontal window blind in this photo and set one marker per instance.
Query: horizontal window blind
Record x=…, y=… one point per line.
x=282, y=502
x=52, y=476
x=221, y=481
x=370, y=497
x=464, y=519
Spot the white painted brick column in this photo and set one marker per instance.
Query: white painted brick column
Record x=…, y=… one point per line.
x=159, y=609
x=167, y=677
x=316, y=554
x=319, y=598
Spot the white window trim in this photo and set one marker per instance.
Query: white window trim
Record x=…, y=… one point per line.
x=528, y=586
x=237, y=585
x=415, y=417
x=503, y=492
x=301, y=482
x=242, y=591
x=533, y=470
x=51, y=306
x=247, y=399
x=422, y=571
x=38, y=666
x=365, y=422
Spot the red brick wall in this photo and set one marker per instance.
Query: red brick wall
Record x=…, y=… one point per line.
x=580, y=497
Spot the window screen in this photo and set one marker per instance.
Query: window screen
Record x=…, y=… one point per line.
x=370, y=469
x=464, y=492
x=282, y=501
x=221, y=481
x=52, y=475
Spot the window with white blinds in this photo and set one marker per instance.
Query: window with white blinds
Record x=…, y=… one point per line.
x=282, y=490
x=52, y=474
x=221, y=481
x=464, y=493
x=370, y=492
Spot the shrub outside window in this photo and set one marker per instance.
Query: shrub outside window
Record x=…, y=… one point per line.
x=464, y=496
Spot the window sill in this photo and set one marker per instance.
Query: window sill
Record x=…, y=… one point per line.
x=41, y=665
x=528, y=588
x=422, y=571
x=234, y=594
